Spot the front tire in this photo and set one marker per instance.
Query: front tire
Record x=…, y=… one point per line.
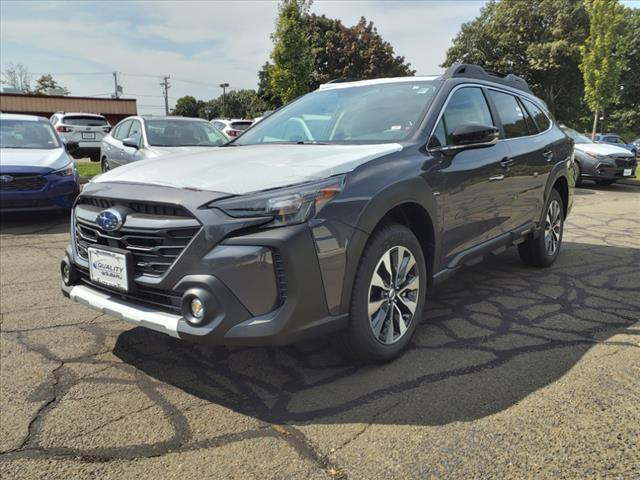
x=104, y=165
x=578, y=174
x=543, y=250
x=388, y=294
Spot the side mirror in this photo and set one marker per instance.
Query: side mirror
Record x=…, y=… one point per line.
x=475, y=135
x=131, y=142
x=71, y=146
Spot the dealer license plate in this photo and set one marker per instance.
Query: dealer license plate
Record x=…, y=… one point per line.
x=627, y=172
x=88, y=136
x=109, y=268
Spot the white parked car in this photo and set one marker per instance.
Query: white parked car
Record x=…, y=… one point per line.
x=231, y=128
x=88, y=129
x=142, y=137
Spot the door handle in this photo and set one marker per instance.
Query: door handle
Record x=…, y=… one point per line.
x=506, y=162
x=496, y=178
x=548, y=154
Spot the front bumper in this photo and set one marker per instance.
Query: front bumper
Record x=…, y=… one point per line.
x=263, y=288
x=57, y=193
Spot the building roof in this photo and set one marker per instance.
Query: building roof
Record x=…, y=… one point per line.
x=13, y=102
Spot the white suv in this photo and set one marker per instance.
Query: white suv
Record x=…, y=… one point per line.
x=231, y=128
x=88, y=129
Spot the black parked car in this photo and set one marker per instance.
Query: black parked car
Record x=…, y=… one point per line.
x=337, y=211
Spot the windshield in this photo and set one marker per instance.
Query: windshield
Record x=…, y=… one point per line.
x=27, y=134
x=183, y=133
x=578, y=138
x=375, y=113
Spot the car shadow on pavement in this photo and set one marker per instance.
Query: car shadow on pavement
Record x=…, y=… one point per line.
x=491, y=335
x=34, y=223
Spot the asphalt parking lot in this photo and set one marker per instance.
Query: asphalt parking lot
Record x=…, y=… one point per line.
x=514, y=373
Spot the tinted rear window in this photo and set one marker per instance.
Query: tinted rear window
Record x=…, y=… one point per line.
x=83, y=121
x=512, y=116
x=241, y=125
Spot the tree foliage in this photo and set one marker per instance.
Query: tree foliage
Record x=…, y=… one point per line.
x=602, y=59
x=239, y=104
x=17, y=76
x=338, y=51
x=46, y=83
x=188, y=106
x=538, y=40
x=292, y=54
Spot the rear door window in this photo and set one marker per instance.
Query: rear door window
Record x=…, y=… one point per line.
x=466, y=105
x=84, y=121
x=511, y=113
x=542, y=121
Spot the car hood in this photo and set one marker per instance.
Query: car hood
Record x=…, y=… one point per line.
x=243, y=169
x=601, y=149
x=27, y=157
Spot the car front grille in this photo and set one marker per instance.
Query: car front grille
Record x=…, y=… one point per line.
x=23, y=182
x=154, y=249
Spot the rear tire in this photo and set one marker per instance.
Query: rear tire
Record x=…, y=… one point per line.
x=388, y=294
x=543, y=250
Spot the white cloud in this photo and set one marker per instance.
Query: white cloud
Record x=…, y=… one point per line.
x=209, y=42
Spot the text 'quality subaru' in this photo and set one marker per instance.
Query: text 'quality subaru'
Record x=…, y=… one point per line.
x=335, y=212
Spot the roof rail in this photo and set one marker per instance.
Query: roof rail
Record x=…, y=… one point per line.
x=466, y=70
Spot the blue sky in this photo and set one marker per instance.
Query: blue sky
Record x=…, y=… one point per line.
x=199, y=44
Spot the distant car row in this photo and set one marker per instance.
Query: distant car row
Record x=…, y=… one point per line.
x=90, y=130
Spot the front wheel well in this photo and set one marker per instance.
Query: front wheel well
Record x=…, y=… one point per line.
x=562, y=186
x=417, y=219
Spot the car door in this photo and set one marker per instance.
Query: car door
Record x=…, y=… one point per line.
x=131, y=154
x=472, y=194
x=530, y=157
x=115, y=149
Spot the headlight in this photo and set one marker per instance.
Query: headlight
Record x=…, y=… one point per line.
x=65, y=171
x=597, y=156
x=286, y=206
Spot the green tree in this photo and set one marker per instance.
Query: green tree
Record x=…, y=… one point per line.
x=625, y=113
x=340, y=52
x=539, y=40
x=188, y=106
x=292, y=55
x=46, y=83
x=351, y=52
x=602, y=58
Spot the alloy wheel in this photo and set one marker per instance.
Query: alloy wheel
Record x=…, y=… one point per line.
x=393, y=294
x=552, y=228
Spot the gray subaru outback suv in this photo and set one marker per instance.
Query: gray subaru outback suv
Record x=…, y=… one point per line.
x=336, y=212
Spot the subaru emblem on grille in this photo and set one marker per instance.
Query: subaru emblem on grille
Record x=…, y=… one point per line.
x=110, y=220
x=6, y=178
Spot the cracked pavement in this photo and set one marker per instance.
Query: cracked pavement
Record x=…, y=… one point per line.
x=514, y=372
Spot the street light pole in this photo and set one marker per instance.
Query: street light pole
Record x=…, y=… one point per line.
x=224, y=98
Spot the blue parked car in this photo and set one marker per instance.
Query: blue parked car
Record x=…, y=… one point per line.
x=36, y=170
x=617, y=140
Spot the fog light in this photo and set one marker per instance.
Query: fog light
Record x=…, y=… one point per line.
x=197, y=309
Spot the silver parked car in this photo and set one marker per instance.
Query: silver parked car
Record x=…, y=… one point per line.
x=142, y=137
x=88, y=129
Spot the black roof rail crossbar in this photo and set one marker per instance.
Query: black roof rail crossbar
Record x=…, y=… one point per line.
x=476, y=71
x=343, y=80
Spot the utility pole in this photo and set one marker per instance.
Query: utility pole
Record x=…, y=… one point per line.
x=224, y=99
x=117, y=88
x=165, y=91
